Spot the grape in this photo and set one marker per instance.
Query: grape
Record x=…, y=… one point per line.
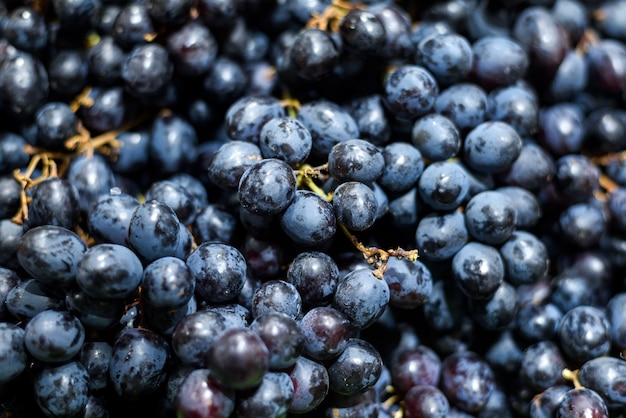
x=267, y=187
x=542, y=365
x=176, y=197
x=54, y=336
x=478, y=270
x=578, y=402
x=410, y=91
x=448, y=56
x=219, y=271
x=194, y=334
x=355, y=205
x=283, y=337
x=491, y=147
x=443, y=185
x=13, y=354
x=313, y=54
x=200, y=394
x=490, y=217
x=436, y=137
x=54, y=202
x=238, y=358
x=138, y=364
x=109, y=271
x=29, y=297
x=167, y=282
x=583, y=333
x=315, y=275
x=356, y=369
x=410, y=283
x=418, y=366
x=362, y=33
x=310, y=382
x=361, y=297
x=62, y=390
x=287, y=139
x=440, y=235
x=465, y=104
x=247, y=115
x=326, y=332
x=51, y=254
x=355, y=160
x=467, y=380
x=309, y=220
x=277, y=296
x=425, y=401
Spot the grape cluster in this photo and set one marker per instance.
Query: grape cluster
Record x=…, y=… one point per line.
x=312, y=208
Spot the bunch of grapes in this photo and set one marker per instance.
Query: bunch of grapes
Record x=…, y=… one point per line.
x=312, y=208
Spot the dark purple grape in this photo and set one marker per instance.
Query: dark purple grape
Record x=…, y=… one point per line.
x=310, y=383
x=465, y=104
x=497, y=312
x=425, y=402
x=92, y=177
x=313, y=54
x=448, y=56
x=491, y=147
x=282, y=336
x=246, y=117
x=418, y=366
x=478, y=270
x=96, y=314
x=138, y=364
x=173, y=143
x=315, y=274
x=545, y=404
x=525, y=258
x=230, y=162
x=582, y=402
x=238, y=358
x=362, y=33
x=201, y=395
x=29, y=297
x=490, y=217
x=605, y=62
x=467, y=380
x=54, y=201
x=355, y=160
x=371, y=119
x=443, y=185
x=436, y=137
x=440, y=235
x=176, y=197
x=95, y=357
x=498, y=61
x=287, y=139
x=56, y=123
x=537, y=321
x=517, y=106
x=23, y=85
x=326, y=332
x=606, y=376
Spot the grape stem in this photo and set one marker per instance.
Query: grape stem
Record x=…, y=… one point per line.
x=331, y=17
x=572, y=376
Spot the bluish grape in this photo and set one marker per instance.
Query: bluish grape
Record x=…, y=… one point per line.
x=287, y=139
x=29, y=297
x=167, y=282
x=219, y=271
x=192, y=48
x=356, y=369
x=440, y=235
x=436, y=137
x=194, y=334
x=498, y=61
x=403, y=166
x=443, y=185
x=525, y=258
x=146, y=70
x=582, y=224
x=328, y=123
x=8, y=280
x=517, y=106
x=605, y=376
x=527, y=207
x=561, y=128
x=410, y=283
x=247, y=115
x=361, y=297
x=616, y=315
x=478, y=270
x=355, y=205
x=267, y=187
x=490, y=217
x=96, y=314
x=545, y=404
x=50, y=254
x=582, y=401
x=355, y=160
x=95, y=357
x=410, y=91
x=177, y=197
x=230, y=161
x=271, y=399
x=465, y=104
x=156, y=232
x=109, y=218
x=213, y=223
x=173, y=143
x=445, y=307
x=583, y=333
x=448, y=56
x=138, y=364
x=362, y=33
x=497, y=312
x=315, y=274
x=277, y=296
x=92, y=177
x=542, y=365
x=537, y=321
x=309, y=220
x=62, y=390
x=54, y=202
x=491, y=147
x=313, y=55
x=109, y=271
x=54, y=336
x=372, y=122
x=13, y=354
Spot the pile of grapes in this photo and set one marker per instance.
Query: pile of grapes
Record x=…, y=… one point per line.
x=312, y=208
